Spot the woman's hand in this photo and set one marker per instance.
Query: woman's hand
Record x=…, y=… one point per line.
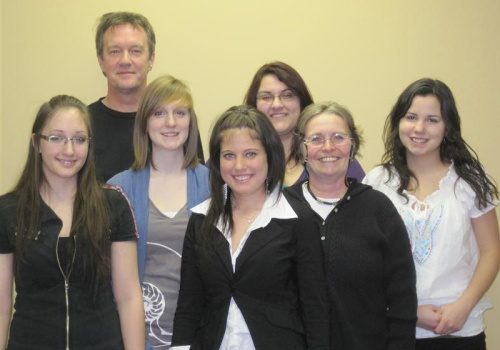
x=453, y=317
x=428, y=316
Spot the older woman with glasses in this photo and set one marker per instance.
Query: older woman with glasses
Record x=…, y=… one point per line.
x=279, y=92
x=369, y=267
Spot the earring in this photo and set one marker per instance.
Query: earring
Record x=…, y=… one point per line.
x=444, y=139
x=224, y=192
x=267, y=185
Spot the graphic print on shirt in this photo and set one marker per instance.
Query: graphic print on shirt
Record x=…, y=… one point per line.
x=421, y=221
x=159, y=305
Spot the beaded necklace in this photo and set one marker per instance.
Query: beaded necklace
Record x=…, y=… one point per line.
x=317, y=199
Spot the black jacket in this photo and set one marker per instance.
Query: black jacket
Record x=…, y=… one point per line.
x=278, y=285
x=370, y=271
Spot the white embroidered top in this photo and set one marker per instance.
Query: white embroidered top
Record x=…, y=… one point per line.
x=443, y=243
x=237, y=336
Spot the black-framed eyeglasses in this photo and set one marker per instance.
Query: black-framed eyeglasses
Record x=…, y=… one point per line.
x=284, y=97
x=61, y=141
x=338, y=139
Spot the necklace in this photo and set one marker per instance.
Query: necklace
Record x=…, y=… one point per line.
x=317, y=199
x=66, y=285
x=248, y=220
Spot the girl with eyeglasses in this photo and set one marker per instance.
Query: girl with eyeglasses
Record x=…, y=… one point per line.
x=447, y=202
x=64, y=239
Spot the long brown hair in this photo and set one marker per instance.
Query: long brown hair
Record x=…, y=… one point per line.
x=90, y=212
x=453, y=148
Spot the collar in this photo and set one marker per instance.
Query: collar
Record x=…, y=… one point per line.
x=46, y=212
x=273, y=208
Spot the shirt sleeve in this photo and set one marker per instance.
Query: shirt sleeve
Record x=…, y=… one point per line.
x=374, y=177
x=467, y=196
x=7, y=225
x=123, y=225
x=5, y=246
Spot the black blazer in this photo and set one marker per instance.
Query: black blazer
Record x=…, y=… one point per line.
x=278, y=285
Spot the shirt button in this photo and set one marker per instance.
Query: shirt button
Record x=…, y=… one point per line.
x=348, y=197
x=323, y=238
x=336, y=210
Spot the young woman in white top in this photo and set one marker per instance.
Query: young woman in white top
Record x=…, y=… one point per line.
x=447, y=202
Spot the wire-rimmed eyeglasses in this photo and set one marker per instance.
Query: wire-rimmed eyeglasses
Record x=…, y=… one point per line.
x=337, y=139
x=284, y=97
x=61, y=141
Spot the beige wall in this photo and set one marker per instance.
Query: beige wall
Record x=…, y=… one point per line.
x=359, y=53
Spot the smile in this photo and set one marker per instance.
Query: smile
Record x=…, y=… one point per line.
x=170, y=134
x=328, y=159
x=66, y=162
x=278, y=115
x=242, y=177
x=417, y=140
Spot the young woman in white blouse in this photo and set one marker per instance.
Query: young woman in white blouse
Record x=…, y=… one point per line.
x=447, y=202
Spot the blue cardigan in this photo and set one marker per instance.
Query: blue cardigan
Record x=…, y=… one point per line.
x=135, y=184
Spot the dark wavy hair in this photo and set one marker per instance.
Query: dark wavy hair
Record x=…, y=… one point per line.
x=241, y=117
x=453, y=148
x=292, y=79
x=90, y=212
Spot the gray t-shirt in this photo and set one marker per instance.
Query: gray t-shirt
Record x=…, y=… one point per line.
x=160, y=288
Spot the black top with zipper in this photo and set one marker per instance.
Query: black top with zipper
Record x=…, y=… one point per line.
x=39, y=320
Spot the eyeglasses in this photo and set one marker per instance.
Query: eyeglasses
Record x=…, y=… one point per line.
x=338, y=139
x=61, y=141
x=267, y=99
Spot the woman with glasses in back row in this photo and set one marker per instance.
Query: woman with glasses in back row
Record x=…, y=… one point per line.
x=369, y=268
x=279, y=92
x=65, y=239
